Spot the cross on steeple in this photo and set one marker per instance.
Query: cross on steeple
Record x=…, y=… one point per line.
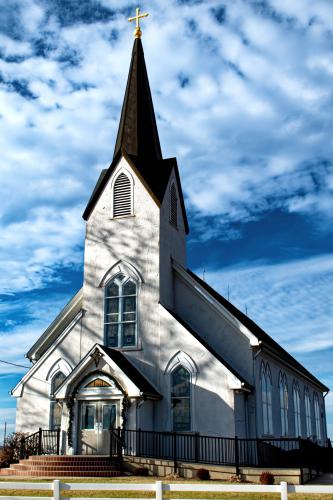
x=136, y=18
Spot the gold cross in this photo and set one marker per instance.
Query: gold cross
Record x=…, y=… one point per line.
x=136, y=18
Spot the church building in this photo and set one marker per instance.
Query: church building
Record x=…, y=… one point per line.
x=146, y=343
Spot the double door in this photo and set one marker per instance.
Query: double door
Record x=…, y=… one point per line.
x=96, y=418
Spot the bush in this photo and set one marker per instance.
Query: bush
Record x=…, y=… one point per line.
x=11, y=452
x=266, y=478
x=142, y=471
x=203, y=474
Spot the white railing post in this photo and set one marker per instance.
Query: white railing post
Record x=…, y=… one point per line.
x=284, y=490
x=159, y=490
x=56, y=489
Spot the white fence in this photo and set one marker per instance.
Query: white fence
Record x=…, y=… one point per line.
x=158, y=487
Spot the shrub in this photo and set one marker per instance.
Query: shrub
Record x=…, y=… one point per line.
x=11, y=452
x=203, y=474
x=266, y=478
x=142, y=471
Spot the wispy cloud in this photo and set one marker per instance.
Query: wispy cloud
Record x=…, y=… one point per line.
x=243, y=99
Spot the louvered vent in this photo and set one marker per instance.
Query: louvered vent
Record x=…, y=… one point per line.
x=122, y=202
x=173, y=205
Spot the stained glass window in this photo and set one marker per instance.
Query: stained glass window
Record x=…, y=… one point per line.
x=317, y=416
x=283, y=404
x=181, y=399
x=266, y=395
x=308, y=413
x=121, y=312
x=297, y=410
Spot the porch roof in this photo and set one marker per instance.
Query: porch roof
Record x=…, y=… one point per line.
x=136, y=384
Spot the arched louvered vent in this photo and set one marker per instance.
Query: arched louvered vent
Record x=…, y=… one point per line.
x=173, y=205
x=122, y=196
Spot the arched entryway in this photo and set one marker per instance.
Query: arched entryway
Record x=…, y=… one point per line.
x=99, y=401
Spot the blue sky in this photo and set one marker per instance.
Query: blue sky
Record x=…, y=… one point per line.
x=243, y=95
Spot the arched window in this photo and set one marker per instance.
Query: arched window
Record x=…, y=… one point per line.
x=173, y=205
x=307, y=412
x=55, y=406
x=283, y=389
x=121, y=312
x=317, y=415
x=56, y=381
x=122, y=196
x=266, y=394
x=297, y=410
x=181, y=399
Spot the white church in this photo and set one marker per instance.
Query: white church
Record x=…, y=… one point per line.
x=147, y=344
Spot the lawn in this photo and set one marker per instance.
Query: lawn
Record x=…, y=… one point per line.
x=145, y=494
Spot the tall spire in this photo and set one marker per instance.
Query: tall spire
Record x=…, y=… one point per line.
x=137, y=133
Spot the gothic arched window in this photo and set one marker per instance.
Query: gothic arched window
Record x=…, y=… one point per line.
x=120, y=312
x=55, y=406
x=173, y=205
x=122, y=196
x=283, y=389
x=307, y=413
x=181, y=399
x=297, y=410
x=266, y=396
x=317, y=415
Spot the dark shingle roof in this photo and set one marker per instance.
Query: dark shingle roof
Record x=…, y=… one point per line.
x=132, y=372
x=209, y=348
x=258, y=332
x=137, y=133
x=137, y=139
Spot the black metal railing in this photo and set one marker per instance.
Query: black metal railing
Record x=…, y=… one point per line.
x=42, y=442
x=192, y=447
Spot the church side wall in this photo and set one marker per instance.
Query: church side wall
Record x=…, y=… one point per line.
x=212, y=402
x=213, y=328
x=292, y=376
x=33, y=407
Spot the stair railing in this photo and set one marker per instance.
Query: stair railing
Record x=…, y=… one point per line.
x=42, y=442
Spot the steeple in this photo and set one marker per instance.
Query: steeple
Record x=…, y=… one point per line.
x=137, y=133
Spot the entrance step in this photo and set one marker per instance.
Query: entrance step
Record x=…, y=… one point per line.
x=54, y=466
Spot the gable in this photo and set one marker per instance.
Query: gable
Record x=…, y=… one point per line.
x=154, y=174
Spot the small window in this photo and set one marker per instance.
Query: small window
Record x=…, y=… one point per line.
x=57, y=381
x=173, y=205
x=266, y=395
x=88, y=417
x=308, y=413
x=55, y=406
x=181, y=399
x=297, y=410
x=283, y=388
x=121, y=312
x=122, y=196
